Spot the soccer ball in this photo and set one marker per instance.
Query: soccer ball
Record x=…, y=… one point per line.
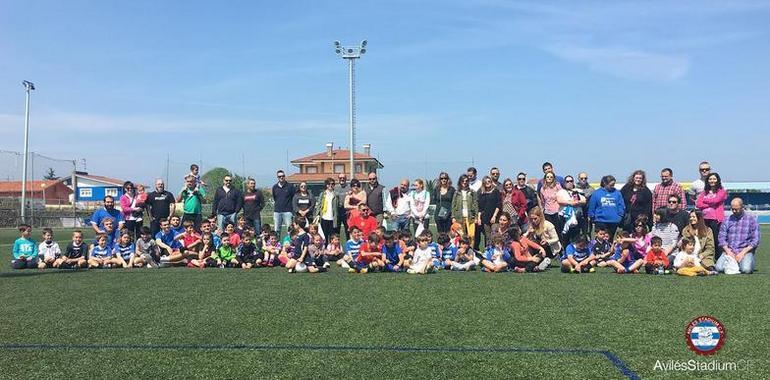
x=300, y=267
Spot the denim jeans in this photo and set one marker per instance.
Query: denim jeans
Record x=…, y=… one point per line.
x=280, y=219
x=401, y=223
x=222, y=219
x=255, y=223
x=746, y=265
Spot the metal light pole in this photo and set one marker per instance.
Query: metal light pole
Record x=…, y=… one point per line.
x=29, y=87
x=351, y=54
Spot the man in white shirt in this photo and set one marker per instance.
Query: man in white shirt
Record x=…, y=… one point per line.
x=473, y=182
x=399, y=206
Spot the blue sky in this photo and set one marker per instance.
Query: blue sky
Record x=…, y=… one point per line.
x=606, y=87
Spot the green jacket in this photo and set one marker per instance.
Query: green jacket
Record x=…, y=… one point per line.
x=192, y=200
x=457, y=205
x=335, y=206
x=224, y=253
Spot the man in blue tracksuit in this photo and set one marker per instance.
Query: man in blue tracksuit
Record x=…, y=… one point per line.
x=606, y=207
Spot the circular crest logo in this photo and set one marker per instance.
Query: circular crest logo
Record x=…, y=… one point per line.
x=705, y=335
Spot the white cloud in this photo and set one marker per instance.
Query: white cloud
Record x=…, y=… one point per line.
x=625, y=62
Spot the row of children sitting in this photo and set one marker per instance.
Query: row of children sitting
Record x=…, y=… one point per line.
x=304, y=250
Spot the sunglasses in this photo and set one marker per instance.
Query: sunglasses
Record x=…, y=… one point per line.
x=705, y=169
x=673, y=202
x=583, y=179
x=521, y=179
x=443, y=178
x=569, y=181
x=373, y=179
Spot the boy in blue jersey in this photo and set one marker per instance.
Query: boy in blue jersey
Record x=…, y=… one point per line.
x=352, y=248
x=123, y=251
x=25, y=250
x=167, y=244
x=448, y=252
x=392, y=251
x=101, y=255
x=497, y=256
x=435, y=250
x=578, y=258
x=602, y=247
x=110, y=232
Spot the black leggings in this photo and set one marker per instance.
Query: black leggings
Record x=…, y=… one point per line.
x=327, y=226
x=134, y=227
x=557, y=222
x=443, y=225
x=714, y=225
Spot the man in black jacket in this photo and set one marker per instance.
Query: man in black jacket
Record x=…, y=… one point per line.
x=283, y=194
x=374, y=197
x=253, y=203
x=227, y=202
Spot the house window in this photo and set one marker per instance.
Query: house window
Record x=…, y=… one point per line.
x=85, y=192
x=311, y=169
x=111, y=191
x=359, y=168
x=339, y=168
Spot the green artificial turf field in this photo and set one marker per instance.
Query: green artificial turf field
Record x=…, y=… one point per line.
x=265, y=323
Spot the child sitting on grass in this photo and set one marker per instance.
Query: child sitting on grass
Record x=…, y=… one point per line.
x=248, y=254
x=523, y=258
x=25, y=250
x=687, y=261
x=75, y=253
x=123, y=251
x=225, y=255
x=465, y=258
x=205, y=250
x=370, y=256
x=316, y=251
x=333, y=250
x=656, y=260
x=352, y=249
x=392, y=250
x=496, y=257
x=422, y=259
x=271, y=250
x=407, y=246
x=300, y=243
x=146, y=251
x=625, y=259
x=602, y=248
x=100, y=255
x=49, y=251
x=447, y=251
x=578, y=258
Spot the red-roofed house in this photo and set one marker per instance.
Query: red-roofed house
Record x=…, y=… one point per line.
x=50, y=191
x=316, y=168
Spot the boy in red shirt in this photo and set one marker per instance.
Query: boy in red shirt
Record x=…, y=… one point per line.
x=190, y=243
x=371, y=257
x=656, y=260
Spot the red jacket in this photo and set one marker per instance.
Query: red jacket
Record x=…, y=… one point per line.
x=653, y=255
x=367, y=225
x=519, y=202
x=520, y=249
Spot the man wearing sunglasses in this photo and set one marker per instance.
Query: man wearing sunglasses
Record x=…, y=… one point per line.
x=227, y=202
x=283, y=195
x=697, y=186
x=529, y=192
x=375, y=197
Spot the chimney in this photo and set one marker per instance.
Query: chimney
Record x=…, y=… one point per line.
x=329, y=149
x=368, y=149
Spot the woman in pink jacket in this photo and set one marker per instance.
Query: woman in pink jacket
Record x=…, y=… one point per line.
x=711, y=201
x=132, y=208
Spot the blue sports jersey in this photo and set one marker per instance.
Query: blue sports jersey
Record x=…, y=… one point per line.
x=391, y=254
x=449, y=253
x=632, y=255
x=352, y=248
x=100, y=252
x=577, y=254
x=168, y=239
x=102, y=213
x=124, y=252
x=490, y=252
x=178, y=230
x=435, y=250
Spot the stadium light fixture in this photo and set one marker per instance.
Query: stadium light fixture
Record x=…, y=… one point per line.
x=351, y=53
x=28, y=87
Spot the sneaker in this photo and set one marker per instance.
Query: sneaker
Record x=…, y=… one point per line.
x=351, y=270
x=666, y=271
x=364, y=270
x=410, y=271
x=572, y=269
x=164, y=259
x=326, y=265
x=544, y=264
x=291, y=270
x=221, y=266
x=592, y=270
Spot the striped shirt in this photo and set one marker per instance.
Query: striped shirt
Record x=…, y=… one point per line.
x=739, y=232
x=352, y=248
x=668, y=232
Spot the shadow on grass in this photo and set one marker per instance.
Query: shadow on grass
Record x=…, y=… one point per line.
x=37, y=272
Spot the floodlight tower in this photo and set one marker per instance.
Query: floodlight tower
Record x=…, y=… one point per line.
x=351, y=54
x=29, y=87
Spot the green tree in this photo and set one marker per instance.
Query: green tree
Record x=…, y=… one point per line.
x=214, y=177
x=51, y=175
